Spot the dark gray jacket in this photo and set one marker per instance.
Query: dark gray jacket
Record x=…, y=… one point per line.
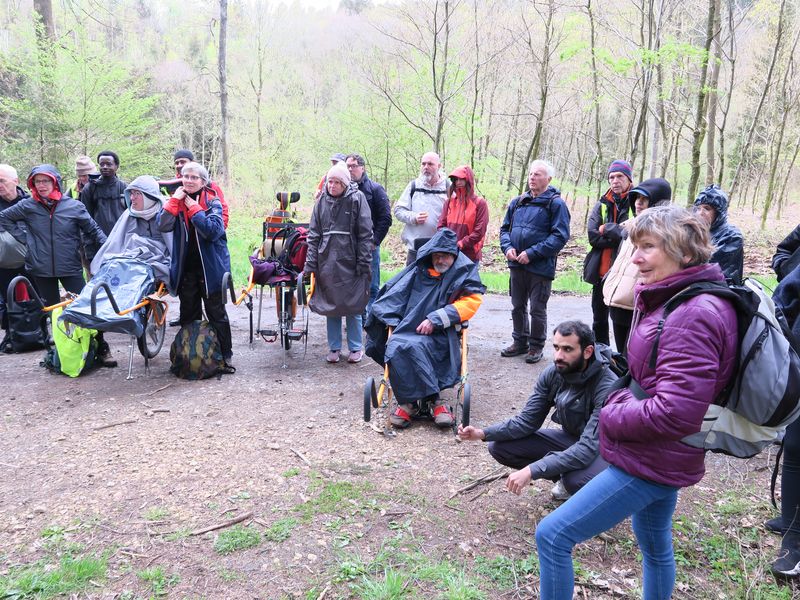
x=577, y=401
x=54, y=232
x=104, y=200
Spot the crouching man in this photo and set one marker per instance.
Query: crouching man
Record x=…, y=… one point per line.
x=576, y=385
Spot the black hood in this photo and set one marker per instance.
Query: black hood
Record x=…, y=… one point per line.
x=714, y=197
x=657, y=189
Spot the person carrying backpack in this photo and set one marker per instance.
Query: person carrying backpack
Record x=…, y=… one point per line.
x=641, y=436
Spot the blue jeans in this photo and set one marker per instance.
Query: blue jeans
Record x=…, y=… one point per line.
x=353, y=332
x=605, y=501
x=375, y=284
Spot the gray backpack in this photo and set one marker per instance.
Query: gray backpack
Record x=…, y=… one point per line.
x=763, y=396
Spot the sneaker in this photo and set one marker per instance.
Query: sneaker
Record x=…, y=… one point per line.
x=333, y=356
x=788, y=561
x=514, y=349
x=534, y=356
x=559, y=492
x=776, y=525
x=175, y=323
x=401, y=417
x=355, y=356
x=441, y=415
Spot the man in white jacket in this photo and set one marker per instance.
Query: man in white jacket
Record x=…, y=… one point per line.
x=420, y=204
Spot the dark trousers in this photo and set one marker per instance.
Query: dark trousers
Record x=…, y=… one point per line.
x=411, y=257
x=599, y=315
x=192, y=294
x=520, y=453
x=47, y=287
x=790, y=480
x=529, y=289
x=621, y=320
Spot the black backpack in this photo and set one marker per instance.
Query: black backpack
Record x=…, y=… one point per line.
x=27, y=322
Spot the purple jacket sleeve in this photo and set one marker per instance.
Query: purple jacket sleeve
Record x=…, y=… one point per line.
x=687, y=380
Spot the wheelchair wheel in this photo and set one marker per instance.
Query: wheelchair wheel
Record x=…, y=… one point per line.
x=370, y=397
x=151, y=341
x=461, y=409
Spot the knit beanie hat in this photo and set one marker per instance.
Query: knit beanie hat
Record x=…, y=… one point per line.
x=84, y=166
x=621, y=166
x=339, y=157
x=339, y=171
x=183, y=153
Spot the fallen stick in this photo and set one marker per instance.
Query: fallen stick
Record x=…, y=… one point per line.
x=301, y=457
x=163, y=387
x=478, y=495
x=9, y=465
x=128, y=422
x=493, y=476
x=228, y=523
x=160, y=410
x=323, y=594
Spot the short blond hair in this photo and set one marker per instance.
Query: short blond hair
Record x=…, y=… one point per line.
x=681, y=233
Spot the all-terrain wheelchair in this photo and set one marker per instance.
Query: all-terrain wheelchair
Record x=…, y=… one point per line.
x=278, y=264
x=120, y=282
x=380, y=396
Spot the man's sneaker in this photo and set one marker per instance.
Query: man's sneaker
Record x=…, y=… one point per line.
x=401, y=417
x=333, y=356
x=788, y=561
x=514, y=349
x=559, y=492
x=534, y=356
x=776, y=525
x=355, y=356
x=441, y=414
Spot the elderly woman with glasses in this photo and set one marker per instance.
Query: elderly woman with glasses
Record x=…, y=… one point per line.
x=641, y=436
x=199, y=255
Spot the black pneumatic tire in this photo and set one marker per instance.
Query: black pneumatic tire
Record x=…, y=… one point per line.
x=465, y=408
x=151, y=341
x=369, y=397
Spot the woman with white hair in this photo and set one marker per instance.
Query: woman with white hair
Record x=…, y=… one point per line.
x=199, y=252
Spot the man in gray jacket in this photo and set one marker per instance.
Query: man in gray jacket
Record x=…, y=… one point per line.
x=576, y=385
x=420, y=204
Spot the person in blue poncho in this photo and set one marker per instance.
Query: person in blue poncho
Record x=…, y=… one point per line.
x=423, y=303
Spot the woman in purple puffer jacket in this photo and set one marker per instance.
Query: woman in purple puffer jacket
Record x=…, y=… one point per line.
x=641, y=439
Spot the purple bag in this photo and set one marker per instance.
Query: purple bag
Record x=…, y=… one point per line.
x=265, y=268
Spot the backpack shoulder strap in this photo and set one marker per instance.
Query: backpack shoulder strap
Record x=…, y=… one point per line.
x=715, y=288
x=413, y=189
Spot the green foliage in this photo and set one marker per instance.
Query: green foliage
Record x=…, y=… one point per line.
x=236, y=538
x=76, y=99
x=506, y=572
x=289, y=473
x=280, y=530
x=156, y=513
x=391, y=586
x=46, y=579
x=159, y=580
x=336, y=498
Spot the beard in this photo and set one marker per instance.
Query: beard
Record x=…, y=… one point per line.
x=428, y=178
x=565, y=368
x=441, y=269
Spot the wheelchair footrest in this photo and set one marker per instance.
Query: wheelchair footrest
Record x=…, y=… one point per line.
x=269, y=335
x=295, y=334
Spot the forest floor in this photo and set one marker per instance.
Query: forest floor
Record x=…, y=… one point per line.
x=114, y=489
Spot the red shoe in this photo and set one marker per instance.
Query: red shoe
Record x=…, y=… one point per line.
x=442, y=416
x=401, y=418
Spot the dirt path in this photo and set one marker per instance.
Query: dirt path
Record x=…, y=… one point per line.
x=130, y=468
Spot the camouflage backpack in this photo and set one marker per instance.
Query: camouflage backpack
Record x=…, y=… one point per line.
x=195, y=352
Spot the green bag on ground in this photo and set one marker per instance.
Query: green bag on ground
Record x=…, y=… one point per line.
x=195, y=352
x=75, y=349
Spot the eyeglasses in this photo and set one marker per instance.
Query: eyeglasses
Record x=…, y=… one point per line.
x=191, y=177
x=41, y=181
x=356, y=166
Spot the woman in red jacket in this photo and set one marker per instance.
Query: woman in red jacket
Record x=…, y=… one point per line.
x=465, y=213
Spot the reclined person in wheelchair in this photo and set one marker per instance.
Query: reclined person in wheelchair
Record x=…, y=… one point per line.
x=423, y=304
x=136, y=234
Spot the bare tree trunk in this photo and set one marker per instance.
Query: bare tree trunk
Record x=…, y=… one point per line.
x=762, y=99
x=223, y=86
x=711, y=147
x=595, y=97
x=787, y=103
x=476, y=87
x=44, y=8
x=544, y=88
x=700, y=112
x=782, y=195
x=512, y=139
x=729, y=95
